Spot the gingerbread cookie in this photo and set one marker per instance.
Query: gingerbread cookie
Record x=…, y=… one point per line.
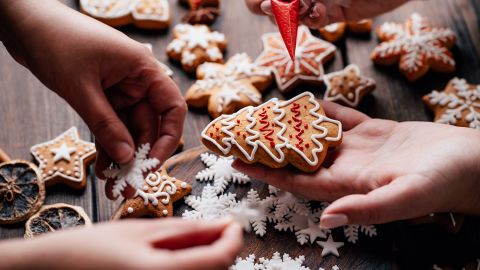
x=227, y=88
x=194, y=45
x=335, y=31
x=276, y=133
x=416, y=46
x=64, y=159
x=155, y=198
x=458, y=104
x=146, y=14
x=348, y=86
x=206, y=15
x=310, y=56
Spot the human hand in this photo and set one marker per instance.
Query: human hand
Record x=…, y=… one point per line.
x=112, y=81
x=319, y=13
x=161, y=244
x=385, y=171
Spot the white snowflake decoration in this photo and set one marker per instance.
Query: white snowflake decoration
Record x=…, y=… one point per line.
x=132, y=173
x=351, y=232
x=220, y=171
x=209, y=206
x=244, y=213
x=277, y=262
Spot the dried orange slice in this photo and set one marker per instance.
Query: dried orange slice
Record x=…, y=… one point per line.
x=56, y=217
x=22, y=191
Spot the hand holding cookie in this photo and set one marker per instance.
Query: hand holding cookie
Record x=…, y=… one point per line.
x=319, y=13
x=385, y=171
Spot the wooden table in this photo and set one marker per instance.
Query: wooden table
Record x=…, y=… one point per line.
x=30, y=113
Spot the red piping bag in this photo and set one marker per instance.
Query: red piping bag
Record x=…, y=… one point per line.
x=286, y=14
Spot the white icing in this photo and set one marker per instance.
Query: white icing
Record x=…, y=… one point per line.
x=332, y=28
x=157, y=10
x=164, y=189
x=214, y=53
x=130, y=210
x=188, y=58
x=63, y=152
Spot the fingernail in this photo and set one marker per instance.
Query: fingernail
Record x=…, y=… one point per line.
x=266, y=8
x=314, y=14
x=123, y=152
x=330, y=221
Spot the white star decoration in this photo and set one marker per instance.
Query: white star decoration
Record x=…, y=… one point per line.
x=62, y=152
x=330, y=246
x=313, y=231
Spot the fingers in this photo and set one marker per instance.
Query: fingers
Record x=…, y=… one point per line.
x=255, y=6
x=350, y=118
x=404, y=198
x=317, y=17
x=102, y=161
x=108, y=129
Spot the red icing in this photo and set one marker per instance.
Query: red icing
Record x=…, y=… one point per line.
x=298, y=125
x=266, y=125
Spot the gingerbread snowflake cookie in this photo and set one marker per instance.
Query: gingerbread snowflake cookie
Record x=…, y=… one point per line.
x=417, y=46
x=227, y=88
x=458, y=104
x=311, y=54
x=64, y=159
x=155, y=198
x=335, y=31
x=276, y=133
x=348, y=86
x=194, y=45
x=146, y=14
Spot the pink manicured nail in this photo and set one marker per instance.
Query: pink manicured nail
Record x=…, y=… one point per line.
x=330, y=221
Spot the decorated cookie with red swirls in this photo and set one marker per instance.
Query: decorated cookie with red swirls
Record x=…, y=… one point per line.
x=194, y=45
x=458, y=104
x=311, y=54
x=276, y=133
x=146, y=14
x=227, y=88
x=348, y=86
x=417, y=46
x=155, y=197
x=64, y=159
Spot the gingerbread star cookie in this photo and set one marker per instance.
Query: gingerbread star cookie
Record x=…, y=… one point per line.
x=417, y=46
x=335, y=31
x=196, y=44
x=146, y=14
x=311, y=54
x=64, y=159
x=155, y=198
x=458, y=104
x=276, y=133
x=348, y=86
x=227, y=88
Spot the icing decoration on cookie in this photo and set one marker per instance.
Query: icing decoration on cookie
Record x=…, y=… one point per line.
x=311, y=54
x=347, y=86
x=147, y=14
x=276, y=133
x=458, y=104
x=336, y=31
x=286, y=14
x=155, y=198
x=195, y=44
x=64, y=159
x=227, y=88
x=416, y=46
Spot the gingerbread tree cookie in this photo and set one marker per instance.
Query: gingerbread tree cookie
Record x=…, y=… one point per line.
x=196, y=44
x=348, y=86
x=64, y=159
x=416, y=46
x=335, y=31
x=458, y=104
x=227, y=88
x=311, y=54
x=155, y=198
x=146, y=14
x=276, y=133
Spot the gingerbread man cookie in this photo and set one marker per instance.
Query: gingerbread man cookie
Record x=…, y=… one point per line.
x=335, y=31
x=155, y=198
x=64, y=159
x=416, y=46
x=194, y=45
x=348, y=86
x=311, y=54
x=227, y=88
x=458, y=104
x=276, y=133
x=146, y=14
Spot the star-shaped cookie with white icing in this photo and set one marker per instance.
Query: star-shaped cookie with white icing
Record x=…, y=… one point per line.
x=193, y=45
x=348, y=86
x=155, y=198
x=311, y=53
x=227, y=88
x=64, y=159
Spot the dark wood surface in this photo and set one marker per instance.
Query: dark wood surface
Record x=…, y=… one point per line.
x=30, y=114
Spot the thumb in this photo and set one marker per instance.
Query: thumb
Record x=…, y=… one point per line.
x=109, y=130
x=404, y=198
